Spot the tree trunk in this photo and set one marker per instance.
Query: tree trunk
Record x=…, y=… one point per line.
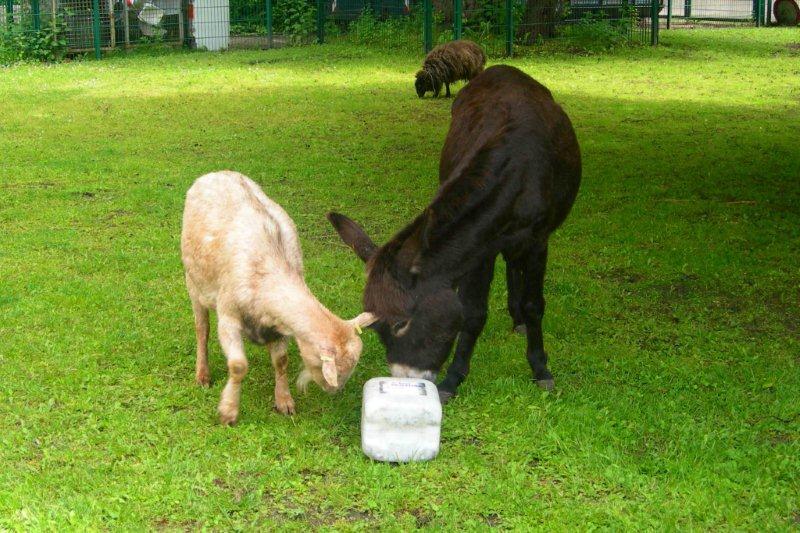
x=540, y=19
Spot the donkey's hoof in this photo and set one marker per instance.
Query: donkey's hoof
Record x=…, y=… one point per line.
x=445, y=396
x=546, y=384
x=521, y=329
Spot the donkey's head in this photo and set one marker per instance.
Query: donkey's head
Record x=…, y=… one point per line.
x=418, y=316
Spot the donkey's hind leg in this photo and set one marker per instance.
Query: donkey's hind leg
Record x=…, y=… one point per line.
x=533, y=311
x=514, y=280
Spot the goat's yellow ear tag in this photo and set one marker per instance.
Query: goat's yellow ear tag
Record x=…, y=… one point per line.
x=359, y=330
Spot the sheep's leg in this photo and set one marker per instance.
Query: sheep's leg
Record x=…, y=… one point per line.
x=201, y=374
x=230, y=337
x=278, y=350
x=447, y=89
x=437, y=88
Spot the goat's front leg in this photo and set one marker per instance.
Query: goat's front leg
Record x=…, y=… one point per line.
x=278, y=351
x=230, y=337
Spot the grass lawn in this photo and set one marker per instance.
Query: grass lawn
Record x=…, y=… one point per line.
x=672, y=322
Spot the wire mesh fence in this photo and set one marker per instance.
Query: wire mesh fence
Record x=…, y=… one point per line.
x=717, y=12
x=502, y=27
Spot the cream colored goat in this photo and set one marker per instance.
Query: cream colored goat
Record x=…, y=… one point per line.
x=242, y=257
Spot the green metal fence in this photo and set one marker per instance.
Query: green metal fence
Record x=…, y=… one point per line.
x=503, y=27
x=680, y=13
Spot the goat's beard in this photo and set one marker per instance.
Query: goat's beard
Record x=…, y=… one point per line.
x=303, y=380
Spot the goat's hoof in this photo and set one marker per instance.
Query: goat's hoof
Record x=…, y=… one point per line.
x=521, y=329
x=285, y=407
x=445, y=396
x=227, y=416
x=546, y=384
x=204, y=380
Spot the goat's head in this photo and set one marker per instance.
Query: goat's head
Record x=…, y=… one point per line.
x=417, y=319
x=423, y=82
x=329, y=362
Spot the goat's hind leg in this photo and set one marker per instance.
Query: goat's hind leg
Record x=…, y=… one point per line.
x=533, y=312
x=202, y=374
x=473, y=291
x=278, y=351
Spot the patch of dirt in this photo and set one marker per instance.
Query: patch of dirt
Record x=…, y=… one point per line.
x=619, y=275
x=659, y=342
x=88, y=195
x=306, y=473
x=33, y=185
x=779, y=304
x=781, y=437
x=796, y=518
x=682, y=288
x=421, y=517
x=545, y=481
x=354, y=515
x=493, y=520
x=164, y=524
x=285, y=507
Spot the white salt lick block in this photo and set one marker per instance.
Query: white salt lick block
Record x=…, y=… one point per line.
x=401, y=419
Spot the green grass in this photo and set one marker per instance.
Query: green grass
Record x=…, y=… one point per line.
x=672, y=320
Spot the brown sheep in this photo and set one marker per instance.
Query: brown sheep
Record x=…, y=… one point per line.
x=448, y=63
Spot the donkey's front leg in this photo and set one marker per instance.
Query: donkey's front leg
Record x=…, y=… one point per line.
x=473, y=291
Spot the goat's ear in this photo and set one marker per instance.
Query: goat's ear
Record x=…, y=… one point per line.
x=329, y=372
x=353, y=236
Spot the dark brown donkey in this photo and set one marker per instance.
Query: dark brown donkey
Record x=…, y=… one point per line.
x=509, y=174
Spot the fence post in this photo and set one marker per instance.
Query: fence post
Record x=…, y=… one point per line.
x=768, y=14
x=427, y=31
x=320, y=21
x=96, y=27
x=755, y=12
x=268, y=16
x=687, y=8
x=669, y=13
x=509, y=28
x=35, y=13
x=10, y=11
x=458, y=15
x=654, y=5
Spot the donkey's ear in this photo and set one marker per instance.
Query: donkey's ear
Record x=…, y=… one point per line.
x=353, y=236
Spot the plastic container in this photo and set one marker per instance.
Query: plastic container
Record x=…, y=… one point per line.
x=401, y=419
